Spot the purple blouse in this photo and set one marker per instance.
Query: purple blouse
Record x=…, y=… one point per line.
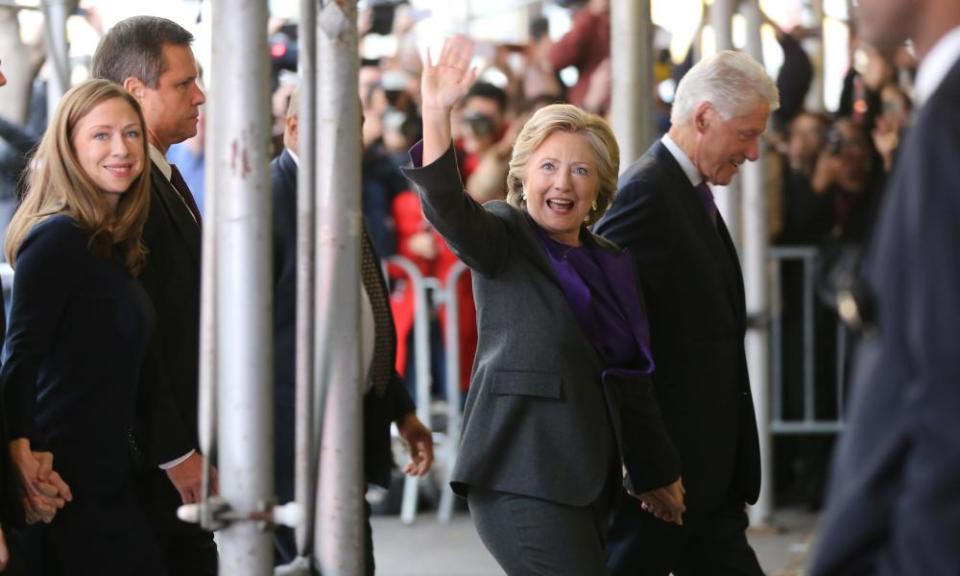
x=620, y=338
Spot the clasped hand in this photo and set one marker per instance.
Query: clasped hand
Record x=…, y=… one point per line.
x=666, y=502
x=43, y=490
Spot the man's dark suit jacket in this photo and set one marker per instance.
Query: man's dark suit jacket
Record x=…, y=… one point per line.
x=167, y=413
x=379, y=411
x=894, y=500
x=694, y=290
x=542, y=412
x=172, y=280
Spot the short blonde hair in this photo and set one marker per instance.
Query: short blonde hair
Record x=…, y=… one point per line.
x=566, y=118
x=58, y=184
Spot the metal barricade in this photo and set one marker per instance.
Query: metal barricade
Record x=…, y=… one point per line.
x=448, y=297
x=810, y=421
x=443, y=294
x=421, y=347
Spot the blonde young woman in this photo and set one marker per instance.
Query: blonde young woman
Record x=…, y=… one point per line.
x=560, y=401
x=80, y=330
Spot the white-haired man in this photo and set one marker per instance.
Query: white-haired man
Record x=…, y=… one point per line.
x=894, y=504
x=665, y=215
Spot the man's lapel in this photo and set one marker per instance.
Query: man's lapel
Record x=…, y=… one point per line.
x=177, y=210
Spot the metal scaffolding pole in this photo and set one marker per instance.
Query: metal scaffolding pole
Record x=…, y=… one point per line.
x=631, y=41
x=339, y=534
x=754, y=257
x=306, y=457
x=244, y=291
x=58, y=52
x=721, y=21
x=727, y=197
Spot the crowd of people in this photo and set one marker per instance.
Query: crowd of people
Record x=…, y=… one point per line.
x=609, y=425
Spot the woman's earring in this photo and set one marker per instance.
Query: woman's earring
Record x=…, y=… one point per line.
x=594, y=206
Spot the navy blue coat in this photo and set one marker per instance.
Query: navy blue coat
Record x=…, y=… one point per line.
x=694, y=289
x=894, y=499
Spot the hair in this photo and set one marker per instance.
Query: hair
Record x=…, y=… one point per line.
x=732, y=82
x=134, y=48
x=821, y=118
x=566, y=118
x=488, y=91
x=293, y=102
x=58, y=184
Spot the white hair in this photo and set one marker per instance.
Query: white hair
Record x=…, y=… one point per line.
x=732, y=81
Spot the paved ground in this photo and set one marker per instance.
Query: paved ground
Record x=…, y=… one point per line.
x=429, y=548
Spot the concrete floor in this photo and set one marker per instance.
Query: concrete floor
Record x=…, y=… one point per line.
x=429, y=548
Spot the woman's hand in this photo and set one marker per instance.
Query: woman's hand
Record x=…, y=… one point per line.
x=441, y=85
x=445, y=82
x=43, y=490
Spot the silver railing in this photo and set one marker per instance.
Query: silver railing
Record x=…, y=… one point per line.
x=810, y=421
x=444, y=294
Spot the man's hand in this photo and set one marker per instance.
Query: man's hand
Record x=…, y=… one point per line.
x=419, y=441
x=666, y=503
x=187, y=478
x=44, y=491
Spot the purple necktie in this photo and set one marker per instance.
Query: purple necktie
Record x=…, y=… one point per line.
x=180, y=185
x=706, y=196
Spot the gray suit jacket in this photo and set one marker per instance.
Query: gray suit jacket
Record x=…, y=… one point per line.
x=541, y=419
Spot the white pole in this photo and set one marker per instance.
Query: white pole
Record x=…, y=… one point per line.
x=727, y=197
x=632, y=90
x=58, y=52
x=339, y=535
x=306, y=457
x=244, y=299
x=754, y=258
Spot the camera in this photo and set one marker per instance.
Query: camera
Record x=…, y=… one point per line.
x=834, y=142
x=480, y=124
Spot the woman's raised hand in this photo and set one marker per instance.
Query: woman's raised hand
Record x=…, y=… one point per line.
x=445, y=82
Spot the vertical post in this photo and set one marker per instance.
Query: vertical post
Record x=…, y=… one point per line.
x=727, y=197
x=632, y=91
x=244, y=300
x=207, y=383
x=305, y=465
x=58, y=52
x=721, y=20
x=814, y=47
x=339, y=534
x=754, y=256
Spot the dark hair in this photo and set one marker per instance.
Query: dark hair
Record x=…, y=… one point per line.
x=134, y=48
x=489, y=91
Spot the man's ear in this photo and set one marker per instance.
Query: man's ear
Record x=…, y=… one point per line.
x=703, y=116
x=134, y=86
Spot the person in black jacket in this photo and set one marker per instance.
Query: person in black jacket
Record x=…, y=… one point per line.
x=895, y=487
x=152, y=59
x=665, y=215
x=81, y=328
x=386, y=399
